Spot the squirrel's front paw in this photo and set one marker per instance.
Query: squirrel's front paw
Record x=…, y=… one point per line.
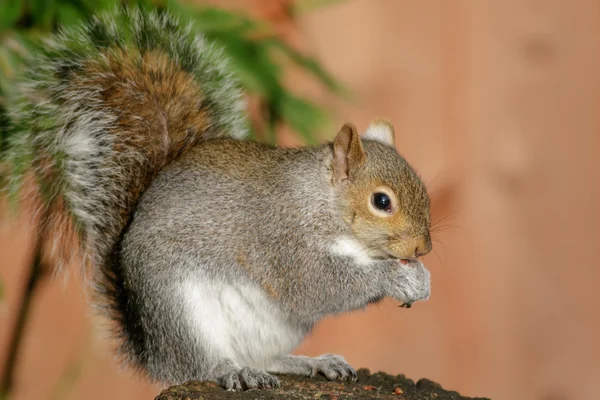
x=410, y=282
x=333, y=367
x=248, y=378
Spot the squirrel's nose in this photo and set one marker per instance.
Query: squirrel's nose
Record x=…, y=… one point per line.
x=416, y=247
x=423, y=245
x=423, y=249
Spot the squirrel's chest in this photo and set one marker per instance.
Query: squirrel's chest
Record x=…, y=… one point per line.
x=240, y=322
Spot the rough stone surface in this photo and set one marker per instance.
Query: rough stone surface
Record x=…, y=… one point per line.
x=368, y=386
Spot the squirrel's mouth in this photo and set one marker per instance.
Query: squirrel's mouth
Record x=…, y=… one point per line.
x=407, y=261
x=389, y=256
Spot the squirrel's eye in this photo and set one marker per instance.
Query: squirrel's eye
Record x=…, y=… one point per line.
x=382, y=201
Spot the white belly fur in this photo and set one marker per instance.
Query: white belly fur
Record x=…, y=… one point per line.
x=239, y=322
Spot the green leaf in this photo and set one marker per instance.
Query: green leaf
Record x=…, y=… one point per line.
x=303, y=116
x=70, y=14
x=11, y=12
x=143, y=4
x=43, y=13
x=309, y=64
x=99, y=5
x=213, y=21
x=252, y=64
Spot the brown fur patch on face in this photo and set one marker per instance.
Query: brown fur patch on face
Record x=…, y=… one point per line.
x=371, y=229
x=407, y=228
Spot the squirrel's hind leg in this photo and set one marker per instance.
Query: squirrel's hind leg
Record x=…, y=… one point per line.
x=330, y=365
x=229, y=377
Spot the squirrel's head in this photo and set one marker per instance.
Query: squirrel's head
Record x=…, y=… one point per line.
x=381, y=196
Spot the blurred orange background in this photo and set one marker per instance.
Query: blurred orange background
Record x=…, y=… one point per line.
x=497, y=105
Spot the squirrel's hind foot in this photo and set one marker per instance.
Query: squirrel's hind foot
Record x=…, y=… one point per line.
x=248, y=378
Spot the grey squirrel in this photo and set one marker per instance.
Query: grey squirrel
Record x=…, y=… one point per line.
x=214, y=255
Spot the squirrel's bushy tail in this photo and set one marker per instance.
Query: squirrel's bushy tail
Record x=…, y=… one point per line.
x=104, y=107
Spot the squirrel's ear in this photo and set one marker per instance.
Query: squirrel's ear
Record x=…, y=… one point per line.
x=347, y=151
x=381, y=130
